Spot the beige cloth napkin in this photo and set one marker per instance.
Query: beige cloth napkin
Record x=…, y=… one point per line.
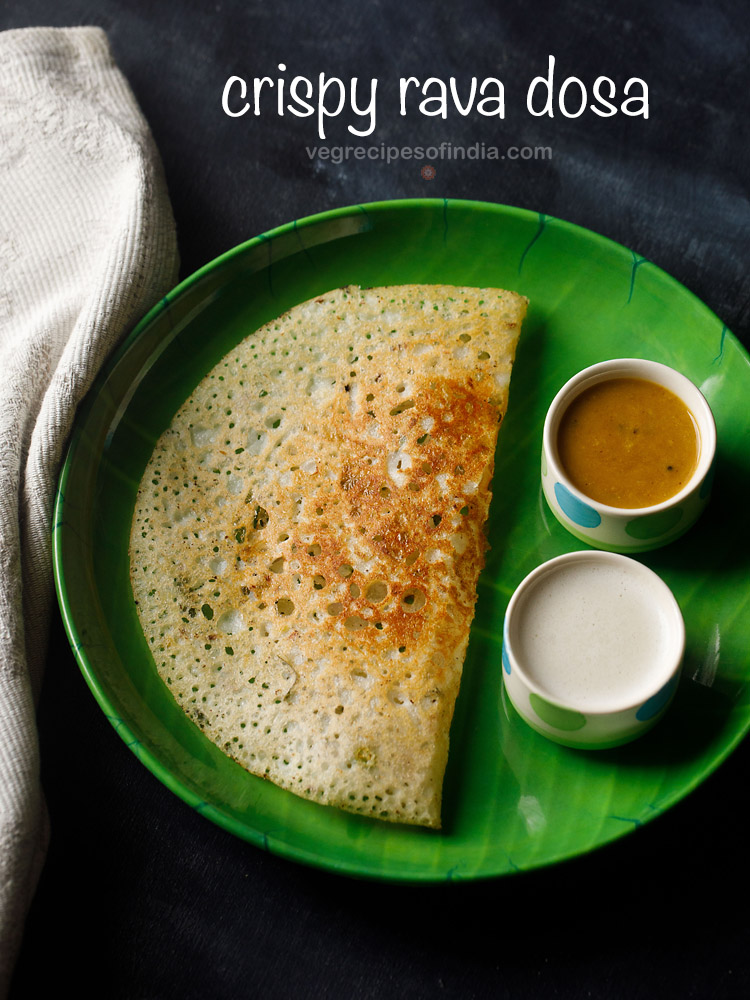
x=87, y=245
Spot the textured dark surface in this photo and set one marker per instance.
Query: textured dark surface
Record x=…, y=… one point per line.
x=141, y=897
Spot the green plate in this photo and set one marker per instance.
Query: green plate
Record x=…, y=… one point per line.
x=513, y=800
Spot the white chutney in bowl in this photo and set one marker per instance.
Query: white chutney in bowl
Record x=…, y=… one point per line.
x=593, y=643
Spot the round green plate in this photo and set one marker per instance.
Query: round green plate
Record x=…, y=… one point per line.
x=513, y=800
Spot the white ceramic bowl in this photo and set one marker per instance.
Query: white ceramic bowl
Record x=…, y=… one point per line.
x=592, y=649
x=621, y=529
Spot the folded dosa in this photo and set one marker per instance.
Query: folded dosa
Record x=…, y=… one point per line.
x=307, y=539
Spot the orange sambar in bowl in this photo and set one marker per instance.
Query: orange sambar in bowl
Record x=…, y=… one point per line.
x=628, y=442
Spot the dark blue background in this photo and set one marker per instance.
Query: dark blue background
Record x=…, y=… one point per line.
x=141, y=897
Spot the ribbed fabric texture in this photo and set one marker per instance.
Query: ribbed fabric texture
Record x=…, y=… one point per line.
x=87, y=245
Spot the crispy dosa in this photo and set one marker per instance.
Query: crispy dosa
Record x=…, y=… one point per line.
x=307, y=539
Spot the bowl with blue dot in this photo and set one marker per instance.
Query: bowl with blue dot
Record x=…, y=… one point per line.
x=593, y=643
x=628, y=452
